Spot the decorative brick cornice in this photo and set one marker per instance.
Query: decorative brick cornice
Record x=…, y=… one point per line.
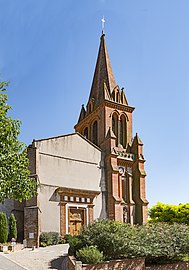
x=122, y=162
x=118, y=106
x=73, y=191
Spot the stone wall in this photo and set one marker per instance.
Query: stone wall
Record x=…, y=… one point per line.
x=174, y=266
x=31, y=228
x=127, y=264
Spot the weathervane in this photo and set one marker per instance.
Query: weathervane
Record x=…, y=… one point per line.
x=103, y=21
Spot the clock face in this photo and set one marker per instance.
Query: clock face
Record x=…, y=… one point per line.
x=121, y=170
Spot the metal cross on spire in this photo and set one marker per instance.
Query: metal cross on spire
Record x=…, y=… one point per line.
x=103, y=22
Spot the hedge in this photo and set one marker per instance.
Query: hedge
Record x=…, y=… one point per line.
x=157, y=242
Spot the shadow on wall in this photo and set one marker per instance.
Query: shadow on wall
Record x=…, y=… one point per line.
x=55, y=197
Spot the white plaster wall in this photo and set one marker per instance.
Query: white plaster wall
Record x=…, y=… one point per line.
x=98, y=206
x=67, y=161
x=71, y=146
x=49, y=209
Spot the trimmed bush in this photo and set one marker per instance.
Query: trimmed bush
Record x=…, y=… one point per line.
x=49, y=238
x=12, y=227
x=3, y=228
x=89, y=255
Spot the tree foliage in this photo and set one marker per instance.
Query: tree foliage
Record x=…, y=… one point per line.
x=15, y=181
x=3, y=228
x=169, y=213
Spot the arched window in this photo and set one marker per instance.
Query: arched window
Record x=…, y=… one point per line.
x=117, y=96
x=123, y=134
x=95, y=133
x=90, y=108
x=113, y=95
x=115, y=126
x=85, y=133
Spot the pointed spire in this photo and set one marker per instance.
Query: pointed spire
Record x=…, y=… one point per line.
x=82, y=113
x=137, y=140
x=103, y=74
x=123, y=97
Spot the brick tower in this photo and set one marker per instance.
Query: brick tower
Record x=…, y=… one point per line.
x=107, y=122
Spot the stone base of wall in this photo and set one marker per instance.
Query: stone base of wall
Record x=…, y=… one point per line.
x=172, y=266
x=130, y=264
x=127, y=264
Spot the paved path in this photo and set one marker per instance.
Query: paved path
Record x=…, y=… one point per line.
x=52, y=257
x=6, y=264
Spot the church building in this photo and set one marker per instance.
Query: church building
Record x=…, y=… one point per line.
x=96, y=172
x=107, y=122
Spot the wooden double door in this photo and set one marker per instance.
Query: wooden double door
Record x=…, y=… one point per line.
x=76, y=219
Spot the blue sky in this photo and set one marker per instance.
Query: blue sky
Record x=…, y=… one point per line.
x=48, y=52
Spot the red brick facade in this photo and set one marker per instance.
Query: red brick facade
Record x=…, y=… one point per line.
x=107, y=122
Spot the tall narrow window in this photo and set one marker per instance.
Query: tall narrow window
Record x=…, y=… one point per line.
x=115, y=126
x=117, y=96
x=123, y=132
x=95, y=132
x=86, y=133
x=90, y=108
x=113, y=95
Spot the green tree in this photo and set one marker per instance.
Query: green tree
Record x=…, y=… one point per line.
x=15, y=181
x=12, y=227
x=169, y=213
x=3, y=228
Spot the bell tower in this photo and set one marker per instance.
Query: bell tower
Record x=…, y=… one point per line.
x=107, y=122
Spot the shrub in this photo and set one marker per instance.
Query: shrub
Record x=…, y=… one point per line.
x=162, y=242
x=75, y=243
x=45, y=238
x=42, y=244
x=109, y=237
x=49, y=238
x=67, y=238
x=89, y=255
x=55, y=238
x=3, y=228
x=61, y=240
x=12, y=227
x=158, y=242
